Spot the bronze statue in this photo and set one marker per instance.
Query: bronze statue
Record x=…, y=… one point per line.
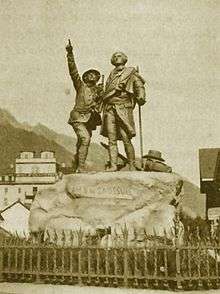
x=84, y=117
x=124, y=87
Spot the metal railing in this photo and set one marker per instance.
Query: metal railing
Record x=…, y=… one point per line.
x=111, y=259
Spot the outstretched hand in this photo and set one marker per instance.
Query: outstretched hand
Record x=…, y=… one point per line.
x=69, y=47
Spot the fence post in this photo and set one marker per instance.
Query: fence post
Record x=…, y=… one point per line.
x=155, y=260
x=189, y=257
x=38, y=248
x=80, y=240
x=165, y=282
x=200, y=285
x=125, y=255
x=177, y=248
x=106, y=282
x=115, y=258
x=1, y=260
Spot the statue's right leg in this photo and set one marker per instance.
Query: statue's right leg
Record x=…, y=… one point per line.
x=84, y=137
x=76, y=156
x=112, y=139
x=75, y=161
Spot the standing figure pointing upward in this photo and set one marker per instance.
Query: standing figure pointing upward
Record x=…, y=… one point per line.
x=124, y=87
x=83, y=118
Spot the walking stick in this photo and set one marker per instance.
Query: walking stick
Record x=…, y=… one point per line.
x=103, y=81
x=140, y=132
x=141, y=137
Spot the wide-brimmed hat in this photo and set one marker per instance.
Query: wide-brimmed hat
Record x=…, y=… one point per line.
x=96, y=72
x=154, y=154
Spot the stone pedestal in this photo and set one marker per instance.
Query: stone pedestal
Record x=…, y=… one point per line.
x=139, y=200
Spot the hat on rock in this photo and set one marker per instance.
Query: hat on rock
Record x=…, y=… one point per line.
x=154, y=154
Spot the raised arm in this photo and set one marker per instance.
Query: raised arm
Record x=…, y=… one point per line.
x=72, y=67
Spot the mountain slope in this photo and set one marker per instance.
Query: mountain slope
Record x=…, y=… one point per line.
x=7, y=119
x=13, y=140
x=193, y=198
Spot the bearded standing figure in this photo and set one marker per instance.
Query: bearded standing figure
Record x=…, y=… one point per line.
x=124, y=88
x=84, y=117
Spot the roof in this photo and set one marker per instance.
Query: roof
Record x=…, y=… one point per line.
x=208, y=163
x=36, y=153
x=14, y=203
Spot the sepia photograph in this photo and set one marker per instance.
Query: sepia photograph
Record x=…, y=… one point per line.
x=109, y=146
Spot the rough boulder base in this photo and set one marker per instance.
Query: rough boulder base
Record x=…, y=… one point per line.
x=137, y=200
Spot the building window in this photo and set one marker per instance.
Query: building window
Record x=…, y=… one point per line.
x=35, y=169
x=34, y=190
x=5, y=202
x=19, y=190
x=47, y=155
x=50, y=169
x=19, y=169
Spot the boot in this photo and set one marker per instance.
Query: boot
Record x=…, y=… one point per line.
x=129, y=150
x=113, y=168
x=132, y=166
x=81, y=169
x=83, y=151
x=75, y=163
x=113, y=156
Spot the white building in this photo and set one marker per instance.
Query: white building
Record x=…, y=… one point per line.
x=14, y=218
x=32, y=169
x=32, y=173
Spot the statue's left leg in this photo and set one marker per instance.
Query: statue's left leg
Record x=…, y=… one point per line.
x=129, y=149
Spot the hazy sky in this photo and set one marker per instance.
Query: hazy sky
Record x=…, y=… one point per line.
x=175, y=44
